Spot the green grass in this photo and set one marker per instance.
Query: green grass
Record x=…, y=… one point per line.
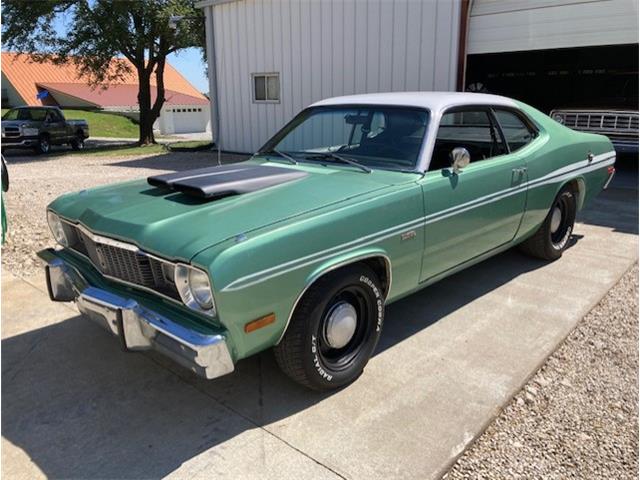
x=191, y=145
x=103, y=124
x=132, y=149
x=121, y=150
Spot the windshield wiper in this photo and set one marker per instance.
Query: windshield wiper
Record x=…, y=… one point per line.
x=284, y=155
x=342, y=159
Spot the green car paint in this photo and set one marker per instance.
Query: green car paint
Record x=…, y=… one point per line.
x=263, y=249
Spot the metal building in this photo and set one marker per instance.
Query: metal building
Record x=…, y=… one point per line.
x=268, y=59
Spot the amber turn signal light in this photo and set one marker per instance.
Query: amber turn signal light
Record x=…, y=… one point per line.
x=254, y=325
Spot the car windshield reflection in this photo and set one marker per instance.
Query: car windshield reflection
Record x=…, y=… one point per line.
x=369, y=136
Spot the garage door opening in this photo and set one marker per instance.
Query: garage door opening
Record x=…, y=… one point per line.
x=586, y=77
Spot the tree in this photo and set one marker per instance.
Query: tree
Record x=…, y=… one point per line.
x=99, y=30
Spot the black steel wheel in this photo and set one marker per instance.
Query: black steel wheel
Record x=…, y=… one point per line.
x=334, y=329
x=44, y=145
x=552, y=238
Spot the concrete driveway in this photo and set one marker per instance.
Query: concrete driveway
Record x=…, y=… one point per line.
x=75, y=406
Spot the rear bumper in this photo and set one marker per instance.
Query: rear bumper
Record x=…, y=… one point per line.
x=137, y=327
x=623, y=146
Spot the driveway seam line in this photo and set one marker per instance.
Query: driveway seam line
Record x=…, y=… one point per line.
x=248, y=419
x=442, y=473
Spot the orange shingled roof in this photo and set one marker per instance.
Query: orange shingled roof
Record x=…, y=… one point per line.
x=24, y=74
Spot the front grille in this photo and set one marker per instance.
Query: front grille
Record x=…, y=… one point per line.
x=10, y=131
x=601, y=122
x=126, y=263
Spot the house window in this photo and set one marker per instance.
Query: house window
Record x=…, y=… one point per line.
x=5, y=97
x=266, y=87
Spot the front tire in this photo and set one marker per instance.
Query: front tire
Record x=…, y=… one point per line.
x=43, y=146
x=334, y=329
x=552, y=238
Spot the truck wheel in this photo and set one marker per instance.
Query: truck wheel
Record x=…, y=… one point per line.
x=334, y=329
x=78, y=142
x=552, y=238
x=44, y=145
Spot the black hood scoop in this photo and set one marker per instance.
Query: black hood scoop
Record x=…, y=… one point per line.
x=225, y=180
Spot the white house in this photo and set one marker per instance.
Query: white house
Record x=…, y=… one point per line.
x=268, y=59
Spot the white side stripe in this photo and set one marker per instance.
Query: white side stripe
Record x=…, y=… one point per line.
x=569, y=171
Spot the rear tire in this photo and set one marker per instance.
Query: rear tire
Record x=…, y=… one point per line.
x=552, y=238
x=334, y=329
x=43, y=146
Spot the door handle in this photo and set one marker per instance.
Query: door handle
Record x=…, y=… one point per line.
x=517, y=175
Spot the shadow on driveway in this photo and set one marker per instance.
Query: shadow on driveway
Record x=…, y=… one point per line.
x=81, y=408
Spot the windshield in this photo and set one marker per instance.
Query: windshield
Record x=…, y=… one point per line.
x=374, y=136
x=36, y=114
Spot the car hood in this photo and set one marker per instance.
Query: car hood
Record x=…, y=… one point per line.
x=18, y=123
x=177, y=226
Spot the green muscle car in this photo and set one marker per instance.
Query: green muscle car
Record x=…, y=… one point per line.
x=357, y=202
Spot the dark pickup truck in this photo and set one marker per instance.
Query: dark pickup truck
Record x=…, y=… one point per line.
x=41, y=127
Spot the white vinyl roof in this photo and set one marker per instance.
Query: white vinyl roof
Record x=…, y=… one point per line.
x=434, y=101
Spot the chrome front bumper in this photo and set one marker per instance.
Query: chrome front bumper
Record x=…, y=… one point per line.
x=137, y=327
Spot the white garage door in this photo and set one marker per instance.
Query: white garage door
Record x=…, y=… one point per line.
x=189, y=120
x=517, y=25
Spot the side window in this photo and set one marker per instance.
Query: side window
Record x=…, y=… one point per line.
x=471, y=129
x=516, y=132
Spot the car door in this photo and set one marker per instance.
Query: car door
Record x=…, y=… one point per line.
x=478, y=209
x=56, y=126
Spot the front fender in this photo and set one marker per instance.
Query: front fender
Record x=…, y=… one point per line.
x=336, y=263
x=267, y=273
x=347, y=259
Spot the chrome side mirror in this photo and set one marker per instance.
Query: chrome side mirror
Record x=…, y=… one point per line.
x=460, y=158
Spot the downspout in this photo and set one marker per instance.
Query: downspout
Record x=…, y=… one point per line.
x=213, y=77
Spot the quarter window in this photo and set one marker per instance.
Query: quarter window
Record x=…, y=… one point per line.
x=516, y=132
x=470, y=129
x=266, y=87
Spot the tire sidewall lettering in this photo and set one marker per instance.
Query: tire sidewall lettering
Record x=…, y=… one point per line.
x=379, y=301
x=316, y=361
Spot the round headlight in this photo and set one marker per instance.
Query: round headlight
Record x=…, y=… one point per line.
x=200, y=289
x=57, y=229
x=194, y=288
x=558, y=117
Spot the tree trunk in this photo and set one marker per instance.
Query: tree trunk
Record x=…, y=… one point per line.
x=144, y=103
x=150, y=113
x=159, y=102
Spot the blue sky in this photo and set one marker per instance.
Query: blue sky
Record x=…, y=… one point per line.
x=188, y=62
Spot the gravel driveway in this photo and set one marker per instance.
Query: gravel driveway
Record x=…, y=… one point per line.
x=578, y=416
x=36, y=181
